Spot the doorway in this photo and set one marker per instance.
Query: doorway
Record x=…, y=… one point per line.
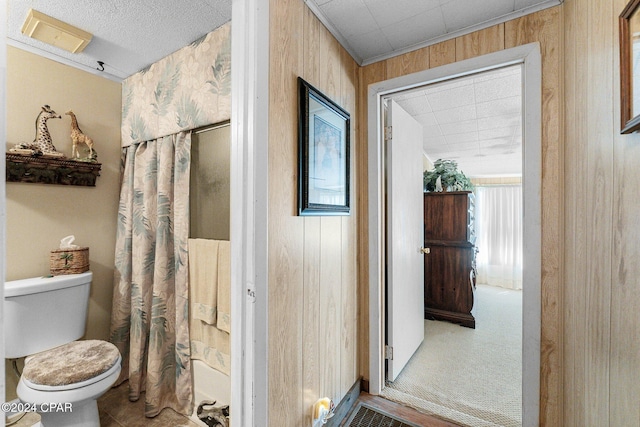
x=473, y=266
x=529, y=57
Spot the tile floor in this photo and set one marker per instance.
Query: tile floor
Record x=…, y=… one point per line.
x=117, y=411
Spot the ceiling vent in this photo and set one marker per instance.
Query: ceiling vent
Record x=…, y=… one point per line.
x=54, y=32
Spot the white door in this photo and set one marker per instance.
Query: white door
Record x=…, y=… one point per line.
x=405, y=237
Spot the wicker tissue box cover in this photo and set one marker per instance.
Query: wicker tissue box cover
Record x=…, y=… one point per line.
x=69, y=261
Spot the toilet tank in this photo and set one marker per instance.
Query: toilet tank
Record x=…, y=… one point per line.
x=44, y=312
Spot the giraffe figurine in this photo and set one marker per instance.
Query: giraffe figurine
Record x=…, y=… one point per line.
x=77, y=137
x=42, y=144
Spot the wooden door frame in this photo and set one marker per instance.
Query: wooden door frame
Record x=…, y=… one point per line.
x=529, y=56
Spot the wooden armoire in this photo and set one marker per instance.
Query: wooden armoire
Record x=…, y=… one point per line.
x=449, y=261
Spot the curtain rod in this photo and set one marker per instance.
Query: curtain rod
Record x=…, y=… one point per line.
x=215, y=126
x=513, y=184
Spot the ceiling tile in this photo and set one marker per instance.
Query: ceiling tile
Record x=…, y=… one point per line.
x=434, y=144
x=455, y=133
x=431, y=131
x=415, y=29
x=408, y=94
x=341, y=14
x=496, y=144
x=456, y=97
x=437, y=151
x=388, y=12
x=486, y=123
x=459, y=127
x=371, y=44
x=126, y=41
x=498, y=88
x=462, y=158
x=462, y=137
x=466, y=112
x=426, y=119
x=500, y=107
x=452, y=154
x=415, y=106
x=463, y=150
x=457, y=12
x=502, y=151
x=498, y=132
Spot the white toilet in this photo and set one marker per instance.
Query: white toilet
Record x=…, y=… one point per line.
x=43, y=318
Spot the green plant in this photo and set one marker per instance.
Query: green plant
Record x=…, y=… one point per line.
x=450, y=177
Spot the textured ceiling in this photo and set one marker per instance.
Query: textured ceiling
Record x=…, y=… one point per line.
x=371, y=30
x=460, y=117
x=128, y=35
x=474, y=120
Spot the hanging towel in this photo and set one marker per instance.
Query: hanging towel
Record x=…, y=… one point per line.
x=209, y=270
x=224, y=286
x=203, y=279
x=211, y=345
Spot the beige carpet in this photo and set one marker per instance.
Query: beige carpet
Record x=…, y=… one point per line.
x=470, y=376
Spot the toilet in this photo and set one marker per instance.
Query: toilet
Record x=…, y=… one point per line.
x=62, y=377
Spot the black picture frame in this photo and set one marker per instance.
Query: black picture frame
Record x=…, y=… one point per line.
x=324, y=154
x=629, y=23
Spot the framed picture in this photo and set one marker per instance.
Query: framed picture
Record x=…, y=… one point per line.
x=630, y=67
x=324, y=153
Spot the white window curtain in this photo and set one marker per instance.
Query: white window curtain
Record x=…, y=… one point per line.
x=499, y=236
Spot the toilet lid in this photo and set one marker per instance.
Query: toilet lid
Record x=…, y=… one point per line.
x=71, y=364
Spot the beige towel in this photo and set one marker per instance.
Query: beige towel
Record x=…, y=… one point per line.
x=206, y=273
x=203, y=279
x=211, y=345
x=224, y=286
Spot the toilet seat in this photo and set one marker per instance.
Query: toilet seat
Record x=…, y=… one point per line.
x=70, y=366
x=83, y=401
x=42, y=387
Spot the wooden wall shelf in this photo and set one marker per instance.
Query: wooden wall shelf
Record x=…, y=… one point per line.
x=51, y=171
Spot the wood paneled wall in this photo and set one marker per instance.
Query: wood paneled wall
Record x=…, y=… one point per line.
x=312, y=260
x=601, y=281
x=546, y=28
x=590, y=239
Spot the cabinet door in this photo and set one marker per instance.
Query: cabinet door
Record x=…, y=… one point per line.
x=447, y=284
x=446, y=216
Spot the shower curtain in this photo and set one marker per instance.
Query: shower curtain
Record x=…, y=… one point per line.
x=150, y=315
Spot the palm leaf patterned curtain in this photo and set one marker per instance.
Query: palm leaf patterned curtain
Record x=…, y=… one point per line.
x=149, y=322
x=188, y=89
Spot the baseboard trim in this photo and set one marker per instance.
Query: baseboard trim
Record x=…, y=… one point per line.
x=345, y=406
x=364, y=385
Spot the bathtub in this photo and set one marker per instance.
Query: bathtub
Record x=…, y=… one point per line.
x=208, y=384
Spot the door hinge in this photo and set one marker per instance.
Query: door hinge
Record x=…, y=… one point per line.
x=387, y=133
x=388, y=352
